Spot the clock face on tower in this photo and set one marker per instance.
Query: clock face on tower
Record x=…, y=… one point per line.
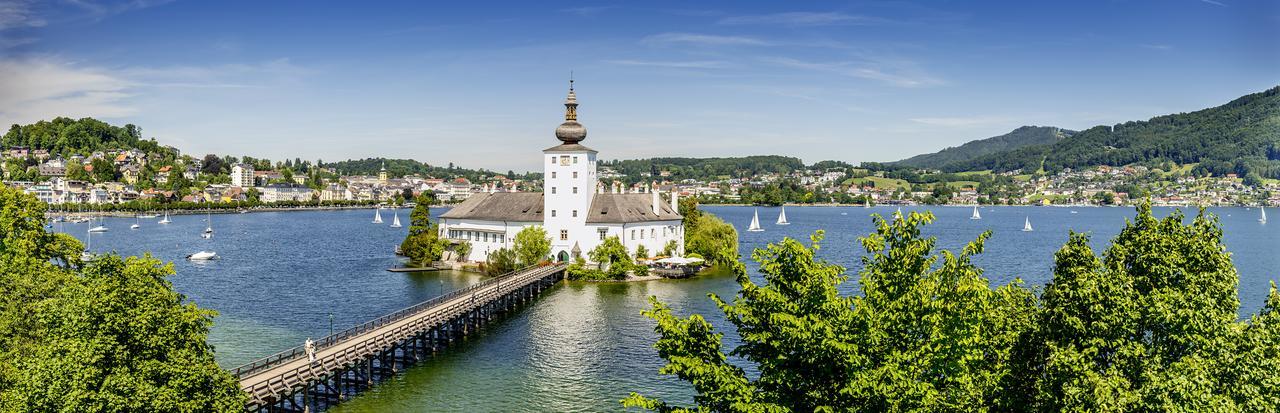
x=564, y=160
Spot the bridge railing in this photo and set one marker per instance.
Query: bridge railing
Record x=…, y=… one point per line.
x=299, y=351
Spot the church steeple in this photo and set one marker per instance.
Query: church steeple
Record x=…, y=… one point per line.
x=571, y=131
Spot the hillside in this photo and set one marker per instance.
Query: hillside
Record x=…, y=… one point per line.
x=1241, y=137
x=66, y=136
x=1018, y=138
x=402, y=167
x=701, y=168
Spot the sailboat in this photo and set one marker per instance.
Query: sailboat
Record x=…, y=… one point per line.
x=377, y=215
x=208, y=229
x=137, y=223
x=100, y=228
x=395, y=222
x=166, y=218
x=203, y=256
x=1263, y=218
x=975, y=215
x=866, y=202
x=782, y=217
x=755, y=222
x=86, y=255
x=1026, y=226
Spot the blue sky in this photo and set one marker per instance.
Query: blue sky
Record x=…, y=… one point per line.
x=481, y=83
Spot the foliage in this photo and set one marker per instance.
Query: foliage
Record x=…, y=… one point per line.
x=1149, y=326
x=637, y=170
x=1018, y=138
x=501, y=261
x=1238, y=137
x=463, y=249
x=642, y=252
x=111, y=335
x=423, y=244
x=612, y=257
x=402, y=167
x=671, y=248
x=65, y=136
x=532, y=245
x=713, y=239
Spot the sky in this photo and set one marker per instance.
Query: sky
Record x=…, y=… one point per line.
x=481, y=84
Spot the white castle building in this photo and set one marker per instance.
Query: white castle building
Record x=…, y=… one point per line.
x=574, y=208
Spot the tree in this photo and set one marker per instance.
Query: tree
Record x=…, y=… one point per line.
x=110, y=335
x=916, y=338
x=713, y=239
x=104, y=170
x=212, y=165
x=532, y=245
x=612, y=257
x=423, y=244
x=671, y=248
x=642, y=252
x=500, y=261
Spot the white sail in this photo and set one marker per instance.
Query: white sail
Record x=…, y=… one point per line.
x=395, y=222
x=166, y=218
x=755, y=222
x=1263, y=218
x=866, y=202
x=782, y=217
x=975, y=215
x=1026, y=226
x=377, y=216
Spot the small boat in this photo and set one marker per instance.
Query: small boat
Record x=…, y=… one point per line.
x=203, y=256
x=100, y=228
x=137, y=224
x=377, y=216
x=755, y=223
x=147, y=216
x=782, y=217
x=166, y=218
x=395, y=222
x=975, y=215
x=208, y=229
x=1026, y=226
x=1263, y=218
x=399, y=251
x=866, y=202
x=1074, y=212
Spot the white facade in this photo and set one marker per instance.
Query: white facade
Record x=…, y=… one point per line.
x=576, y=215
x=242, y=175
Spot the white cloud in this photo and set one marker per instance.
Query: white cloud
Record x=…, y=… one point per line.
x=962, y=122
x=43, y=88
x=1156, y=46
x=710, y=64
x=801, y=19
x=901, y=74
x=704, y=39
x=18, y=14
x=1214, y=2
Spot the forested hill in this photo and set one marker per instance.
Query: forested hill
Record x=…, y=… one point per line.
x=66, y=136
x=701, y=168
x=1241, y=137
x=1018, y=138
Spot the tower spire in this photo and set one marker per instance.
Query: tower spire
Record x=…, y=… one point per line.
x=571, y=131
x=571, y=102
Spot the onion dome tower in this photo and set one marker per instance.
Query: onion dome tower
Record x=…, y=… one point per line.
x=571, y=132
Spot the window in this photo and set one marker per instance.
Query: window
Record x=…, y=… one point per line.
x=575, y=159
x=553, y=174
x=486, y=237
x=575, y=189
x=575, y=213
x=633, y=235
x=653, y=233
x=603, y=232
x=642, y=234
x=553, y=213
x=664, y=231
x=564, y=235
x=575, y=174
x=553, y=190
x=553, y=160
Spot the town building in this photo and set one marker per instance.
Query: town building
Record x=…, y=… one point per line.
x=576, y=211
x=242, y=175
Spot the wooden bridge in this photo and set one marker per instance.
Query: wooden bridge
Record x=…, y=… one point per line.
x=351, y=361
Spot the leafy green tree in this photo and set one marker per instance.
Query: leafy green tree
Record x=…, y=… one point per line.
x=500, y=261
x=104, y=170
x=916, y=339
x=463, y=249
x=671, y=248
x=713, y=239
x=75, y=171
x=532, y=245
x=612, y=257
x=106, y=336
x=423, y=244
x=642, y=252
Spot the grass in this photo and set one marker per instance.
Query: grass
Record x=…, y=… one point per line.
x=881, y=182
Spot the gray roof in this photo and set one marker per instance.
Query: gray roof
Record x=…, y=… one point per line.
x=527, y=207
x=568, y=147
x=624, y=208
x=499, y=206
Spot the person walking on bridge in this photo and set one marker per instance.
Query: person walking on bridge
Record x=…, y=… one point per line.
x=310, y=347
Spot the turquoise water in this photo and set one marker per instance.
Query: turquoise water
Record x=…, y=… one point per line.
x=581, y=346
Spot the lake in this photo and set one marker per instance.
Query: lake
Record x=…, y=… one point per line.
x=581, y=346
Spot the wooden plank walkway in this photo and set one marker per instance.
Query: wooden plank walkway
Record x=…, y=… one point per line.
x=279, y=376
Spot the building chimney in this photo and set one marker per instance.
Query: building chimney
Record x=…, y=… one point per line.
x=675, y=200
x=655, y=201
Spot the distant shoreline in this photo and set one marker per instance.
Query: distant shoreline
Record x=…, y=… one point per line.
x=129, y=214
